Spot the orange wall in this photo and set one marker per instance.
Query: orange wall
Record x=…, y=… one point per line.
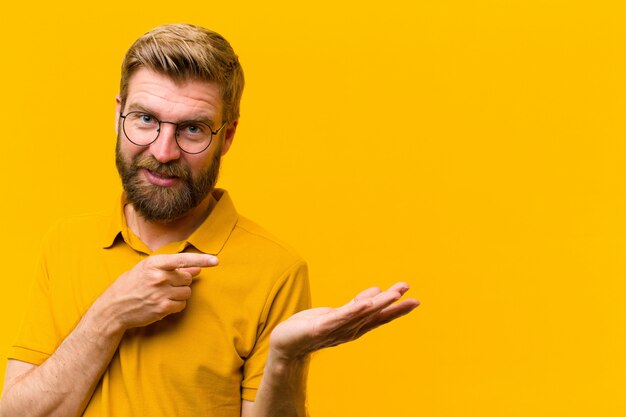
x=475, y=149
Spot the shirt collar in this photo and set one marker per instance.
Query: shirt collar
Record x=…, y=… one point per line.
x=210, y=237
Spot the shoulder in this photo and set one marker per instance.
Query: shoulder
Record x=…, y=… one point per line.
x=252, y=230
x=257, y=242
x=82, y=230
x=269, y=269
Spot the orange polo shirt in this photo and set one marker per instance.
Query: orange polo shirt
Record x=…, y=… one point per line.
x=200, y=362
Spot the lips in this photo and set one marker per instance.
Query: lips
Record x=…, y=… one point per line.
x=160, y=179
x=162, y=174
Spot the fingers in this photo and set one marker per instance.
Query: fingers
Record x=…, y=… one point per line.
x=182, y=260
x=397, y=310
x=192, y=270
x=179, y=268
x=181, y=278
x=179, y=293
x=400, y=287
x=368, y=293
x=390, y=313
x=156, y=287
x=373, y=301
x=177, y=306
x=390, y=309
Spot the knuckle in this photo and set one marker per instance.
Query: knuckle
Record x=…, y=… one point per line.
x=187, y=279
x=184, y=259
x=154, y=299
x=181, y=306
x=144, y=268
x=150, y=261
x=158, y=276
x=180, y=263
x=186, y=292
x=164, y=308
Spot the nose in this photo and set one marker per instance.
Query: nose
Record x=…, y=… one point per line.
x=165, y=148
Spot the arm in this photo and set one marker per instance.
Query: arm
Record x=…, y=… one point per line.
x=64, y=383
x=282, y=390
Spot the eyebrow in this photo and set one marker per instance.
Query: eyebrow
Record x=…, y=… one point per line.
x=145, y=109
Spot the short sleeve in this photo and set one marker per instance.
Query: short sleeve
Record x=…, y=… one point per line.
x=37, y=338
x=289, y=295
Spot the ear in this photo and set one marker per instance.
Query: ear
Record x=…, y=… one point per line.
x=118, y=110
x=229, y=135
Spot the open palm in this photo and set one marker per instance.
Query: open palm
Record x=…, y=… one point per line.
x=318, y=328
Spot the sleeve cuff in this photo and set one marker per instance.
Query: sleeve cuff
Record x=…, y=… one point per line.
x=27, y=355
x=248, y=394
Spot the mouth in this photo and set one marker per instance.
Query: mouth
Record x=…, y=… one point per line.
x=162, y=174
x=160, y=179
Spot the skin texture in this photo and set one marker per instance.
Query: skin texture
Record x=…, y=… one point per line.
x=160, y=284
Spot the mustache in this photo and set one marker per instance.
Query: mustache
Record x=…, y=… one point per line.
x=170, y=169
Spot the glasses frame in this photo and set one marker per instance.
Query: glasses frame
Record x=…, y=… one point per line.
x=213, y=133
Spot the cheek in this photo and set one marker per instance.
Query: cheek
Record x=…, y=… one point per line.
x=200, y=162
x=127, y=150
x=196, y=167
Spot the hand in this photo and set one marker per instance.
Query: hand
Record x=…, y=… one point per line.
x=314, y=329
x=156, y=287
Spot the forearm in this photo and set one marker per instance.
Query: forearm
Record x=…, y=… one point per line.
x=283, y=389
x=64, y=383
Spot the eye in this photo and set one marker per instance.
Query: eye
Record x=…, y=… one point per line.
x=146, y=118
x=194, y=129
x=140, y=119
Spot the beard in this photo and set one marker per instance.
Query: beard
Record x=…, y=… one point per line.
x=164, y=204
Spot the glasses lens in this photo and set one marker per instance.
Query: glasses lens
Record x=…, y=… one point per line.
x=141, y=128
x=194, y=137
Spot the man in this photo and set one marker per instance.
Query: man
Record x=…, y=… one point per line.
x=130, y=314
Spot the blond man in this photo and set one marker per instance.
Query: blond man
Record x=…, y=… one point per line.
x=131, y=312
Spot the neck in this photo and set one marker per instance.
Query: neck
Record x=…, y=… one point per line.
x=156, y=235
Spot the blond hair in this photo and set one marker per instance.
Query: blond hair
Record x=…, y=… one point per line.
x=187, y=52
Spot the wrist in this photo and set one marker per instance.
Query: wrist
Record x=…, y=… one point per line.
x=283, y=363
x=283, y=387
x=287, y=375
x=103, y=319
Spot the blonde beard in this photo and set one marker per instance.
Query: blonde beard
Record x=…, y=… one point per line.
x=165, y=204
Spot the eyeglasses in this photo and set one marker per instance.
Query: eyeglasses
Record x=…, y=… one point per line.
x=192, y=136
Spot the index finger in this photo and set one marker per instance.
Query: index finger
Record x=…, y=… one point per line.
x=182, y=260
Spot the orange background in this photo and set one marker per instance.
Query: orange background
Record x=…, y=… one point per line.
x=472, y=148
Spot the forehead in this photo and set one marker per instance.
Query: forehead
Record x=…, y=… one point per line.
x=174, y=99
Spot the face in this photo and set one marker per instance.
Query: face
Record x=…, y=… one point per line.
x=161, y=181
